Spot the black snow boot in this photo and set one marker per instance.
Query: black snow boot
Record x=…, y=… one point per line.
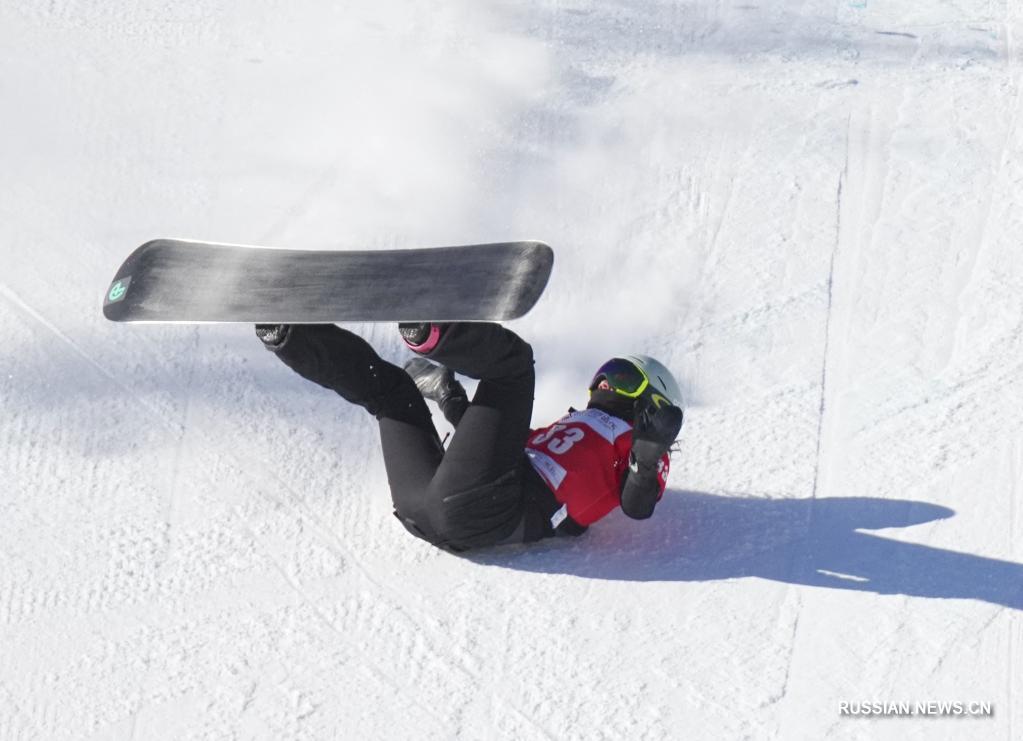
x=437, y=383
x=421, y=337
x=273, y=336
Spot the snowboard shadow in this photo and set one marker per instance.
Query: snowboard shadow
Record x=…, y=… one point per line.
x=695, y=536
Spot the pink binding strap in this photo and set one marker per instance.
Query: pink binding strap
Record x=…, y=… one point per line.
x=428, y=344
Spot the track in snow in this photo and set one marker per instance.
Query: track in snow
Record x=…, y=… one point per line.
x=810, y=209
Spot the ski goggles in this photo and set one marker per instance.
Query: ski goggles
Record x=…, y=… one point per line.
x=623, y=376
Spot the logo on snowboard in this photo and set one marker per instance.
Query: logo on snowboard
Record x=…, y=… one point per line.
x=118, y=291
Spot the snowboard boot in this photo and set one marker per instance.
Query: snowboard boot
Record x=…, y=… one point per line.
x=421, y=337
x=437, y=383
x=273, y=336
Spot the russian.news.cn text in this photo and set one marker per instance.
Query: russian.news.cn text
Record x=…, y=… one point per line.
x=939, y=709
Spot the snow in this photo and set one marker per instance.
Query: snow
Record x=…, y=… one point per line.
x=811, y=210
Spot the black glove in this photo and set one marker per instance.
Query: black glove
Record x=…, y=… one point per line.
x=653, y=432
x=273, y=335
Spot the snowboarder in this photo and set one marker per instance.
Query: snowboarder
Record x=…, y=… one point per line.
x=498, y=482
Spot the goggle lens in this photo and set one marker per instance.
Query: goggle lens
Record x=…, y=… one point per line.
x=623, y=376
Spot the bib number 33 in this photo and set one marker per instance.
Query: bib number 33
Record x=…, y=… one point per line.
x=559, y=438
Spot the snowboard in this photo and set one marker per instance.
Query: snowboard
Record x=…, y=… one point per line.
x=173, y=280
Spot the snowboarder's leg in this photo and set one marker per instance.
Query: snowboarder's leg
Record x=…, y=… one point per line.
x=491, y=435
x=346, y=364
x=472, y=495
x=475, y=349
x=476, y=495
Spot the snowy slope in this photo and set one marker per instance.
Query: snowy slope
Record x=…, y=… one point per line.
x=811, y=209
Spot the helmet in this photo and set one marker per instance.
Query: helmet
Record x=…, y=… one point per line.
x=639, y=377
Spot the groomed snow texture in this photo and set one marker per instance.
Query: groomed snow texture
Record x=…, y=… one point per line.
x=812, y=210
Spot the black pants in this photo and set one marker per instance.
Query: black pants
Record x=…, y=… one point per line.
x=482, y=490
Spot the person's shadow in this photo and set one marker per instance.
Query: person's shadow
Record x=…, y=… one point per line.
x=694, y=536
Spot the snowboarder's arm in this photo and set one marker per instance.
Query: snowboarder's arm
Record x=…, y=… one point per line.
x=653, y=432
x=640, y=492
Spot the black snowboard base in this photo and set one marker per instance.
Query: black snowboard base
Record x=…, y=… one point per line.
x=172, y=280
